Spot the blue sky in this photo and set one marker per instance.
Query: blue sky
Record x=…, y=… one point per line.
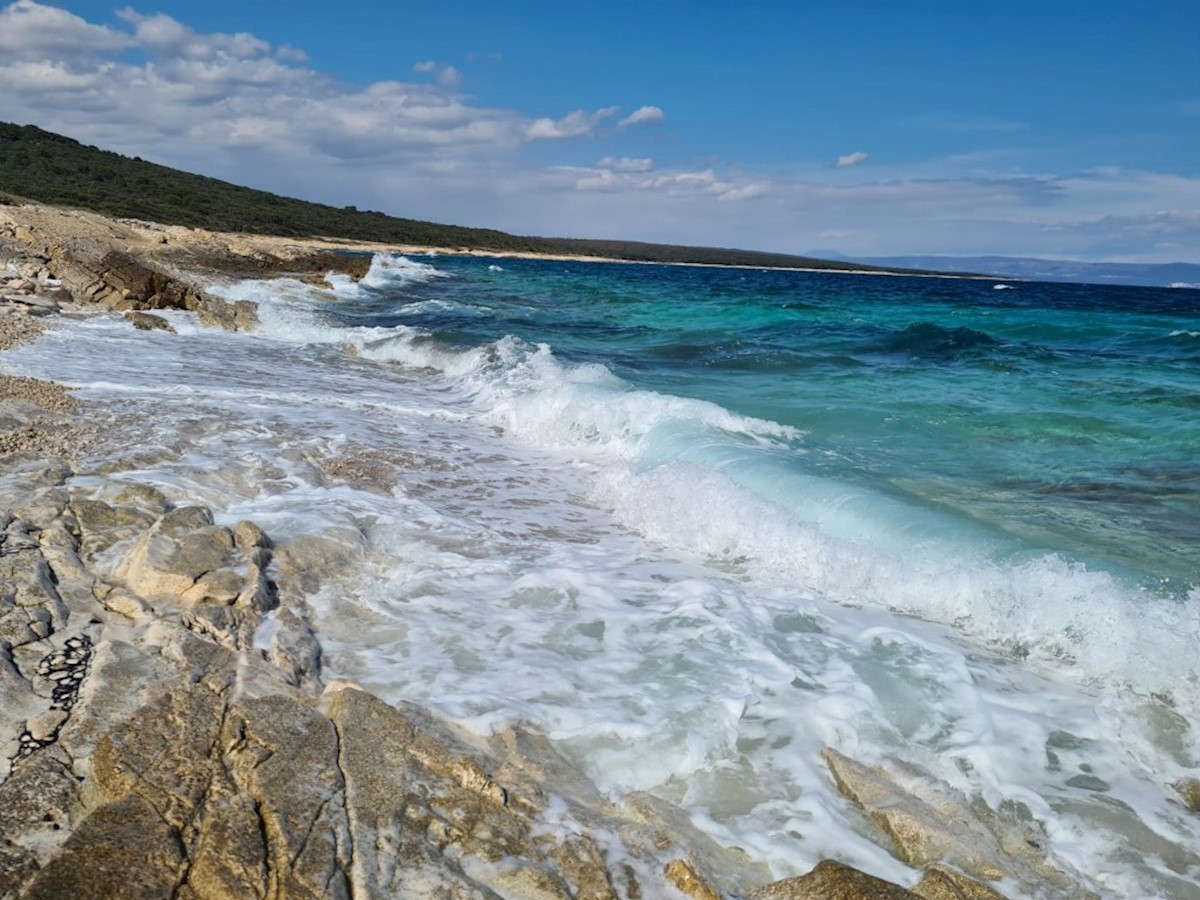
x=1058, y=129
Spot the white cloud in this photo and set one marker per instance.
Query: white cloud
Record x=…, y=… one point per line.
x=626, y=164
x=575, y=124
x=851, y=159
x=644, y=115
x=29, y=30
x=425, y=67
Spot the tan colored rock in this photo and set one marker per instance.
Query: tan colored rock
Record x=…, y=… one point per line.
x=180, y=548
x=928, y=822
x=1188, y=790
x=248, y=536
x=685, y=879
x=831, y=880
x=123, y=851
x=128, y=605
x=437, y=816
x=309, y=560
x=35, y=804
x=942, y=883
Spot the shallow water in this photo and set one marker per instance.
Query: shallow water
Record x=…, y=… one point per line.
x=698, y=523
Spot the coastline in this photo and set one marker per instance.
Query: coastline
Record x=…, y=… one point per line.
x=165, y=709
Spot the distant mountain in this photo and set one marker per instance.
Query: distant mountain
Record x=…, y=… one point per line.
x=1152, y=274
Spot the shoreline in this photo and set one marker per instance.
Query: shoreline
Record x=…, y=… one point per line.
x=167, y=729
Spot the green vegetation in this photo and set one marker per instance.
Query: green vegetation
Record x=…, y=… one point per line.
x=49, y=168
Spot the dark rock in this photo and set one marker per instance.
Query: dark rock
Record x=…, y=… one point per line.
x=144, y=321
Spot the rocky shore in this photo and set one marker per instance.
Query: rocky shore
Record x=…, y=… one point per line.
x=166, y=729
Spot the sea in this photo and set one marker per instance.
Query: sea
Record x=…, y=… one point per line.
x=698, y=523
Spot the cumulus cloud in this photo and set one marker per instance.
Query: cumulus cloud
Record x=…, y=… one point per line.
x=851, y=159
x=575, y=124
x=644, y=115
x=29, y=30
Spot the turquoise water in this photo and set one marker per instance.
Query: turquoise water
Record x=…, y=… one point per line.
x=697, y=524
x=1045, y=417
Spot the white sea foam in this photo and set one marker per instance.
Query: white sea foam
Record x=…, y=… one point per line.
x=645, y=577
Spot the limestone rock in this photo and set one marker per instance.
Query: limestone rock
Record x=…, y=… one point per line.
x=1189, y=791
x=123, y=851
x=186, y=558
x=723, y=868
x=144, y=321
x=687, y=881
x=832, y=880
x=942, y=883
x=436, y=815
x=928, y=822
x=35, y=804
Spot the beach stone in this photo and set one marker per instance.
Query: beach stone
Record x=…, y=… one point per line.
x=43, y=728
x=831, y=880
x=248, y=536
x=144, y=321
x=180, y=548
x=943, y=883
x=686, y=880
x=1188, y=790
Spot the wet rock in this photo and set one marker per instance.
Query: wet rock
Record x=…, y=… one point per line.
x=942, y=883
x=688, y=882
x=182, y=546
x=309, y=560
x=144, y=321
x=248, y=536
x=725, y=869
x=928, y=822
x=436, y=816
x=295, y=649
x=1188, y=790
x=832, y=880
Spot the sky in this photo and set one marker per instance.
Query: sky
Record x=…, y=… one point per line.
x=1057, y=128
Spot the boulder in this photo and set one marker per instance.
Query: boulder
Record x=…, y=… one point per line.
x=832, y=880
x=942, y=883
x=184, y=557
x=1189, y=791
x=144, y=321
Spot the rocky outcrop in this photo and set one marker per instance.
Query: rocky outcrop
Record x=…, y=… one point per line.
x=929, y=823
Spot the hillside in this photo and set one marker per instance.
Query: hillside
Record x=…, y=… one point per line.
x=49, y=168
